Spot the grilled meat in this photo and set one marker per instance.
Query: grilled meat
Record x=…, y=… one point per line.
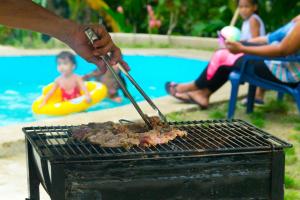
x=153, y=137
x=109, y=134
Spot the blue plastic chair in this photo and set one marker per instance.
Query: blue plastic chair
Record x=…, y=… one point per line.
x=246, y=74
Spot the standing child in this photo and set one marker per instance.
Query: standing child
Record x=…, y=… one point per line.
x=69, y=83
x=252, y=26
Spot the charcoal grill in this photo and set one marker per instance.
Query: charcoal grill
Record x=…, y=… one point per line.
x=219, y=159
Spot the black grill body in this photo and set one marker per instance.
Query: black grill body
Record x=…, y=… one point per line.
x=219, y=159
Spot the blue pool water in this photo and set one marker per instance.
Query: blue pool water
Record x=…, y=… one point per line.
x=22, y=79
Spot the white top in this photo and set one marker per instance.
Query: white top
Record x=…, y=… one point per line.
x=246, y=33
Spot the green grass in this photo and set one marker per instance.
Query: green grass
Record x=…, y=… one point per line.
x=275, y=106
x=289, y=182
x=296, y=137
x=257, y=118
x=291, y=157
x=297, y=128
x=217, y=114
x=278, y=118
x=291, y=195
x=176, y=116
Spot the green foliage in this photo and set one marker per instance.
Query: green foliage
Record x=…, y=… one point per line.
x=192, y=17
x=135, y=14
x=275, y=13
x=178, y=17
x=41, y=2
x=76, y=8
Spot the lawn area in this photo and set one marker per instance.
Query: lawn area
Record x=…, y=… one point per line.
x=278, y=118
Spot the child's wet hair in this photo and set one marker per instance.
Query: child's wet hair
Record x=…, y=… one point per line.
x=66, y=55
x=253, y=2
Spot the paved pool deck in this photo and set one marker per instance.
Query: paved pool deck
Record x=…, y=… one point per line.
x=13, y=133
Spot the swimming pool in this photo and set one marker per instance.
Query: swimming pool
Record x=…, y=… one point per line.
x=23, y=77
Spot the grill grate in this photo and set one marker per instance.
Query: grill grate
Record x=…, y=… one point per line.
x=204, y=138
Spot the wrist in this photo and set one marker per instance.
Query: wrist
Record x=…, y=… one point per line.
x=243, y=49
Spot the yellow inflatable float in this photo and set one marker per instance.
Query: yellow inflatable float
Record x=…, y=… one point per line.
x=55, y=105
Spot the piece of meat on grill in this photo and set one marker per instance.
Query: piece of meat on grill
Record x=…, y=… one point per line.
x=109, y=134
x=114, y=140
x=153, y=137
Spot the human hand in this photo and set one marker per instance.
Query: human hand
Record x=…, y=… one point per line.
x=78, y=41
x=234, y=47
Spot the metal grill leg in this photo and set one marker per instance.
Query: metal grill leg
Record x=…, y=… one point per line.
x=277, y=176
x=58, y=189
x=32, y=176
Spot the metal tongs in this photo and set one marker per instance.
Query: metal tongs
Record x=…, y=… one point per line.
x=92, y=36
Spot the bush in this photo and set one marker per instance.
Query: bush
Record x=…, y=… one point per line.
x=177, y=17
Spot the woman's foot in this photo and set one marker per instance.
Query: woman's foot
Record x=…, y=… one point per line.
x=172, y=88
x=198, y=97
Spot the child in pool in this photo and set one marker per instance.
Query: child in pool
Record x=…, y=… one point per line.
x=69, y=83
x=109, y=81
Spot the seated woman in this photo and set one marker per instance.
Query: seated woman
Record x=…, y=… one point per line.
x=252, y=27
x=280, y=72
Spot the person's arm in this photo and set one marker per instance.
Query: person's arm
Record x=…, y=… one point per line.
x=25, y=14
x=254, y=27
x=84, y=89
x=49, y=94
x=289, y=45
x=92, y=75
x=259, y=40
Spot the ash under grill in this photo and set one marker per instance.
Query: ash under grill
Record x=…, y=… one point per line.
x=218, y=159
x=204, y=137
